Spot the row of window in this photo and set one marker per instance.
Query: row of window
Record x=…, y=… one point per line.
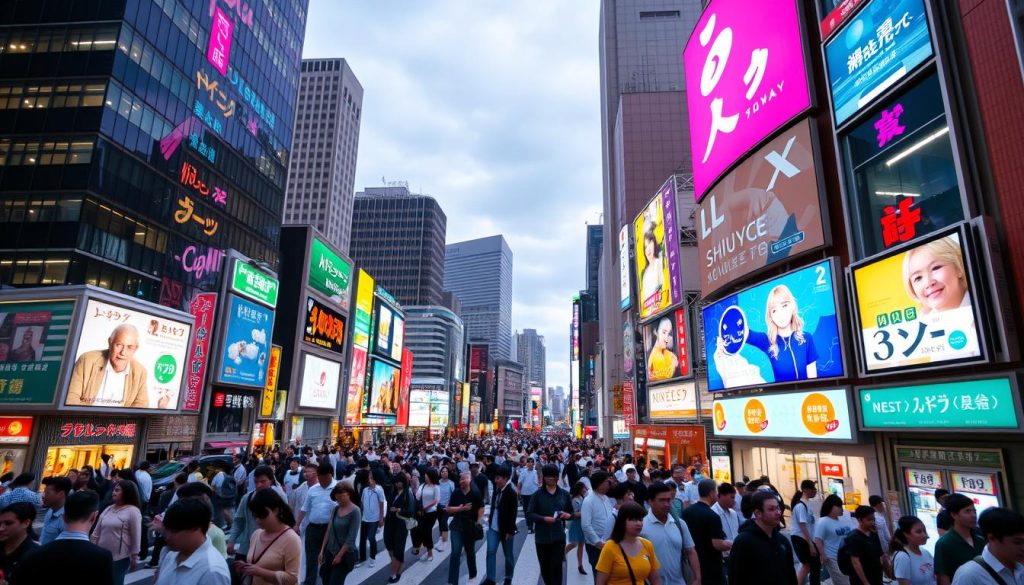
x=36, y=152
x=25, y=96
x=62, y=39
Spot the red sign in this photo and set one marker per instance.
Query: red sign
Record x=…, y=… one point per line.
x=201, y=307
x=628, y=402
x=837, y=17
x=218, y=400
x=831, y=469
x=403, y=391
x=684, y=359
x=15, y=429
x=80, y=430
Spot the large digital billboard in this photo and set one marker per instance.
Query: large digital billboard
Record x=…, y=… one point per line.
x=364, y=310
x=128, y=358
x=882, y=44
x=390, y=332
x=329, y=274
x=766, y=210
x=746, y=77
x=782, y=330
x=385, y=385
x=33, y=342
x=324, y=327
x=916, y=306
x=319, y=385
x=246, y=343
x=657, y=253
x=818, y=415
x=665, y=341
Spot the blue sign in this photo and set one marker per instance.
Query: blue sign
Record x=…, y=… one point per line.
x=881, y=45
x=783, y=330
x=247, y=335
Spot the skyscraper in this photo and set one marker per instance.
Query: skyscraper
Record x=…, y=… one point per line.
x=398, y=237
x=479, y=272
x=595, y=239
x=532, y=354
x=322, y=175
x=436, y=337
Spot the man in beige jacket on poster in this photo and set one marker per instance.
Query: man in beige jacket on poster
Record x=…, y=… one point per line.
x=110, y=377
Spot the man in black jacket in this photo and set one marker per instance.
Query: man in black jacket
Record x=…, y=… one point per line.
x=549, y=509
x=761, y=555
x=501, y=525
x=71, y=556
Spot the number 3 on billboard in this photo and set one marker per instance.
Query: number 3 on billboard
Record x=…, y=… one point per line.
x=821, y=275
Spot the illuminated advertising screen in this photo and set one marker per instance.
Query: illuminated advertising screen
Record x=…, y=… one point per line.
x=782, y=330
x=767, y=210
x=667, y=351
x=356, y=387
x=247, y=334
x=405, y=382
x=439, y=408
x=916, y=306
x=656, y=236
x=672, y=401
x=818, y=415
x=881, y=45
x=419, y=414
x=33, y=342
x=976, y=404
x=746, y=77
x=624, y=296
x=385, y=385
x=329, y=274
x=128, y=358
x=465, y=404
x=254, y=284
x=320, y=380
x=324, y=327
x=390, y=332
x=364, y=310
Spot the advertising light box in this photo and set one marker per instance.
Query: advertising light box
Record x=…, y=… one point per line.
x=668, y=354
x=330, y=274
x=254, y=283
x=819, y=415
x=390, y=332
x=624, y=292
x=320, y=379
x=385, y=385
x=128, y=358
x=746, y=77
x=767, y=210
x=977, y=404
x=672, y=401
x=916, y=307
x=783, y=330
x=364, y=309
x=657, y=254
x=882, y=44
x=246, y=341
x=33, y=342
x=324, y=327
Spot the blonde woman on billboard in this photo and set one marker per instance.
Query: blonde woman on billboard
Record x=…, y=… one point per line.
x=652, y=281
x=934, y=275
x=662, y=363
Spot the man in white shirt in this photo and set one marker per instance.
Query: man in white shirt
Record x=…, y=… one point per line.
x=1001, y=561
x=725, y=508
x=678, y=479
x=528, y=484
x=191, y=558
x=293, y=476
x=669, y=536
x=317, y=509
x=145, y=482
x=597, y=517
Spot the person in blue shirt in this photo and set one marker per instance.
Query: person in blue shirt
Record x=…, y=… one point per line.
x=789, y=348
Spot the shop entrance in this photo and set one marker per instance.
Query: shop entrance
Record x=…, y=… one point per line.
x=61, y=459
x=843, y=475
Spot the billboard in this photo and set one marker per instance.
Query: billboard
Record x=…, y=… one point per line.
x=975, y=404
x=390, y=332
x=767, y=210
x=782, y=330
x=405, y=382
x=253, y=283
x=656, y=235
x=439, y=408
x=818, y=415
x=324, y=327
x=385, y=384
x=881, y=45
x=203, y=306
x=364, y=309
x=916, y=306
x=319, y=385
x=356, y=387
x=667, y=352
x=672, y=401
x=33, y=342
x=624, y=296
x=247, y=333
x=746, y=77
x=329, y=274
x=270, y=388
x=128, y=358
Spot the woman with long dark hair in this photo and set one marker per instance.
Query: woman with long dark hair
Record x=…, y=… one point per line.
x=803, y=533
x=576, y=540
x=400, y=508
x=828, y=537
x=626, y=558
x=275, y=549
x=911, y=564
x=338, y=552
x=429, y=497
x=119, y=529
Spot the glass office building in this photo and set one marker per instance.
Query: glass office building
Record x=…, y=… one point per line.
x=139, y=139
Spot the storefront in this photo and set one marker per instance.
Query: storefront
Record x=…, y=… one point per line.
x=670, y=444
x=69, y=442
x=790, y=437
x=230, y=419
x=171, y=437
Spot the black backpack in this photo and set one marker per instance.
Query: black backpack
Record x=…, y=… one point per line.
x=843, y=558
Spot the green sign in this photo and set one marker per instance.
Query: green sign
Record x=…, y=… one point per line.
x=329, y=274
x=969, y=404
x=941, y=456
x=255, y=284
x=33, y=342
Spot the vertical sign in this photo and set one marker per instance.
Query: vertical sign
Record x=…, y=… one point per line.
x=403, y=388
x=270, y=390
x=364, y=308
x=624, y=296
x=628, y=401
x=219, y=49
x=202, y=308
x=356, y=386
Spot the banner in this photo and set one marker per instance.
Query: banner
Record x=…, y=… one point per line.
x=657, y=254
x=246, y=342
x=330, y=274
x=202, y=307
x=356, y=386
x=667, y=355
x=33, y=342
x=821, y=415
x=672, y=401
x=966, y=404
x=765, y=211
x=628, y=402
x=270, y=389
x=364, y=309
x=624, y=292
x=403, y=388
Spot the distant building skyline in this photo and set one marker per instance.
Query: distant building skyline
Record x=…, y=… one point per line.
x=479, y=272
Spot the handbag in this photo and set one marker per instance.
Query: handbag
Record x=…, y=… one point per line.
x=410, y=521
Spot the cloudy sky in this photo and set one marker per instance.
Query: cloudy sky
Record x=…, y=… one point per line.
x=493, y=108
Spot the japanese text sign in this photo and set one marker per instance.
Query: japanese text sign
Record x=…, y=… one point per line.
x=324, y=327
x=628, y=404
x=202, y=307
x=657, y=254
x=80, y=430
x=254, y=284
x=967, y=404
x=329, y=273
x=624, y=292
x=247, y=335
x=838, y=16
x=746, y=77
x=33, y=341
x=821, y=414
x=831, y=469
x=218, y=51
x=270, y=389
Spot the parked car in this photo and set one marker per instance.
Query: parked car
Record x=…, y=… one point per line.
x=164, y=472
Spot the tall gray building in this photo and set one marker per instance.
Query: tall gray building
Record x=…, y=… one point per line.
x=510, y=401
x=398, y=237
x=436, y=337
x=322, y=174
x=556, y=402
x=479, y=272
x=531, y=352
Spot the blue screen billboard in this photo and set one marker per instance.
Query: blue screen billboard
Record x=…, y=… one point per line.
x=783, y=330
x=247, y=335
x=882, y=44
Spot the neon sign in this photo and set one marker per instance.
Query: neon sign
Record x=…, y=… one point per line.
x=219, y=49
x=197, y=263
x=243, y=10
x=190, y=178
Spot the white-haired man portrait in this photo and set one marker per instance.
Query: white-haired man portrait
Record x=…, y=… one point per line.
x=112, y=376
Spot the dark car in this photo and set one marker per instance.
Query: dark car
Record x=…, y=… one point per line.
x=163, y=473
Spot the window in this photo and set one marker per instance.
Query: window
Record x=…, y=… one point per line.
x=652, y=14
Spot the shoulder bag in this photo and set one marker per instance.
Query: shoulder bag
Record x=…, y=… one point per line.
x=988, y=569
x=410, y=522
x=688, y=575
x=256, y=560
x=629, y=567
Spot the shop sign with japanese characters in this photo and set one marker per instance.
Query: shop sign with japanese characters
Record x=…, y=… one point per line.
x=941, y=456
x=254, y=284
x=84, y=430
x=324, y=327
x=202, y=308
x=966, y=404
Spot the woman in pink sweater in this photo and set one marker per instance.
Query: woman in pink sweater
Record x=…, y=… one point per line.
x=119, y=529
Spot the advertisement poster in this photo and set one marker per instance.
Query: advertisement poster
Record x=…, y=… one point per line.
x=822, y=414
x=439, y=408
x=624, y=296
x=419, y=414
x=247, y=334
x=15, y=430
x=385, y=384
x=746, y=77
x=721, y=461
x=916, y=307
x=665, y=340
x=356, y=387
x=838, y=16
x=128, y=358
x=364, y=309
x=965, y=404
x=628, y=404
x=767, y=210
x=390, y=332
x=657, y=253
x=33, y=341
x=320, y=379
x=330, y=274
x=881, y=45
x=202, y=307
x=783, y=330
x=270, y=388
x=324, y=327
x=672, y=401
x=403, y=388
x=628, y=343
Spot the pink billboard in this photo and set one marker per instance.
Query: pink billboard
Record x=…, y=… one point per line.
x=746, y=77
x=219, y=49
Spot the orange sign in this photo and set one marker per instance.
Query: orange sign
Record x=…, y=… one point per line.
x=755, y=416
x=15, y=429
x=270, y=390
x=819, y=414
x=719, y=416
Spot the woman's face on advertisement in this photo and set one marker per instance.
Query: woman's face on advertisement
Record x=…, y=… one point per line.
x=782, y=312
x=664, y=335
x=649, y=249
x=936, y=283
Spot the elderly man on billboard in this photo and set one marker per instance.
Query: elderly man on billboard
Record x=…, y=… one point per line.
x=110, y=377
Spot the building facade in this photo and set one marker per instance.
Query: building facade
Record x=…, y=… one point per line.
x=436, y=337
x=399, y=237
x=595, y=243
x=322, y=173
x=510, y=394
x=556, y=402
x=532, y=354
x=479, y=272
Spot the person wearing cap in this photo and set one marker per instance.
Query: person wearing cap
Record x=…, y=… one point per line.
x=549, y=509
x=803, y=533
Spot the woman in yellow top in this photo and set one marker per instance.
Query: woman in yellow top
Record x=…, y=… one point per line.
x=627, y=559
x=662, y=363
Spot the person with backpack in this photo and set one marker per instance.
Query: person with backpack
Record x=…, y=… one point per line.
x=911, y=564
x=224, y=490
x=829, y=531
x=866, y=557
x=1000, y=561
x=803, y=533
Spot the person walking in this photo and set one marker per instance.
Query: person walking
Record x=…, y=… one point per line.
x=338, y=552
x=575, y=537
x=165, y=501
x=396, y=531
x=550, y=508
x=708, y=536
x=1000, y=563
x=761, y=555
x=627, y=558
x=803, y=533
x=428, y=498
x=466, y=508
x=243, y=525
x=669, y=536
x=447, y=488
x=119, y=529
x=829, y=532
x=725, y=507
x=911, y=564
x=21, y=490
x=501, y=525
x=961, y=542
x=317, y=509
x=372, y=499
x=866, y=555
x=275, y=549
x=15, y=524
x=526, y=485
x=597, y=516
x=191, y=558
x=55, y=493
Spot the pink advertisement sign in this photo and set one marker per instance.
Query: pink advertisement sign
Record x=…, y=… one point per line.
x=202, y=307
x=746, y=77
x=219, y=49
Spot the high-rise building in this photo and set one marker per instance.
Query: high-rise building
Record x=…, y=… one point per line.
x=398, y=237
x=436, y=337
x=595, y=239
x=532, y=354
x=556, y=401
x=139, y=140
x=480, y=273
x=322, y=175
x=510, y=398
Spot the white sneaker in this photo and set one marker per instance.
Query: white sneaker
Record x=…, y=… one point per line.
x=373, y=563
x=439, y=547
x=359, y=564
